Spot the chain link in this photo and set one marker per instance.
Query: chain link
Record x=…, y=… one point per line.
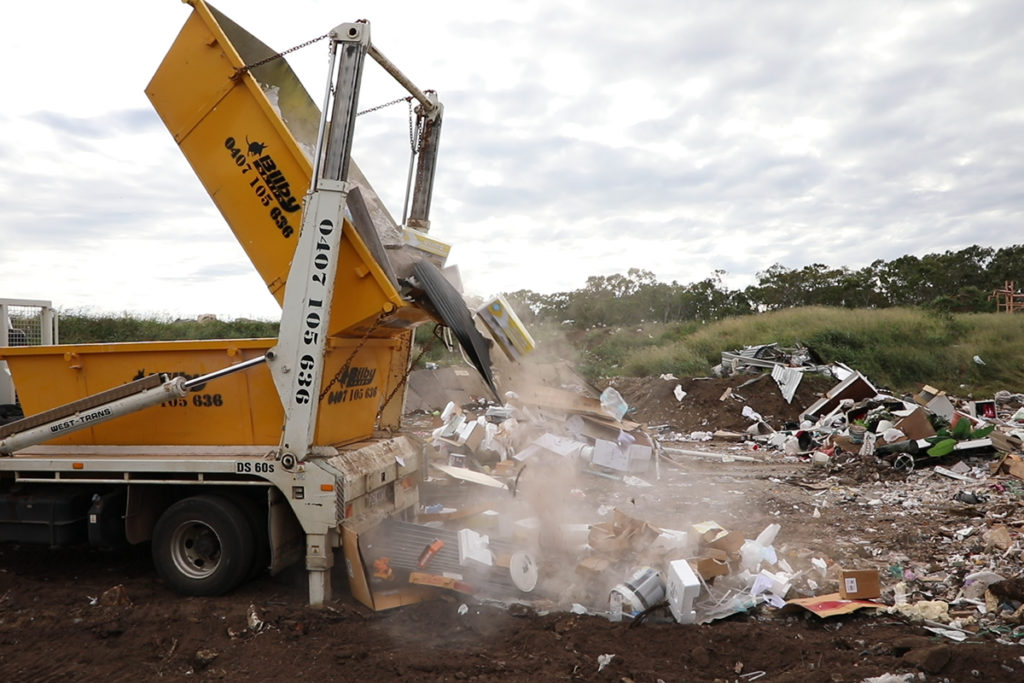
x=408, y=371
x=407, y=98
x=344, y=368
x=415, y=132
x=278, y=55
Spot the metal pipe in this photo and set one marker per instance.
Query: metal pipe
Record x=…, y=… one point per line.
x=230, y=370
x=408, y=188
x=388, y=66
x=174, y=388
x=318, y=150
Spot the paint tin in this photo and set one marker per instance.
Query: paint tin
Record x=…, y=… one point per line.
x=644, y=589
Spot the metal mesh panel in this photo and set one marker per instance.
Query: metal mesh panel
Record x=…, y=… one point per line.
x=25, y=323
x=24, y=326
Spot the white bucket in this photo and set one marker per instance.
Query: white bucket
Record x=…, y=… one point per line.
x=644, y=589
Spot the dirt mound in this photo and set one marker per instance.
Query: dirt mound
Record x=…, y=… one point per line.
x=54, y=626
x=716, y=403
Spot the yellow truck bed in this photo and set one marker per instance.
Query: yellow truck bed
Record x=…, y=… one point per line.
x=239, y=409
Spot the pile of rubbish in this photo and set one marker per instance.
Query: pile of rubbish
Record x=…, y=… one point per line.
x=906, y=432
x=770, y=356
x=506, y=516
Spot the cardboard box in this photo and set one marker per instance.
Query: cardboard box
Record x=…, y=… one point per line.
x=859, y=584
x=375, y=597
x=506, y=328
x=714, y=563
x=728, y=541
x=436, y=250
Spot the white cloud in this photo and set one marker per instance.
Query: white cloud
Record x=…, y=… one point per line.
x=580, y=139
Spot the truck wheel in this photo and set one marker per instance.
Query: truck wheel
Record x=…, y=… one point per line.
x=257, y=518
x=203, y=546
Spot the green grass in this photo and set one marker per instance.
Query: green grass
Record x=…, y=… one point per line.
x=897, y=348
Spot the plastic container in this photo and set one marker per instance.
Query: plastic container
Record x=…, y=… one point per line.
x=644, y=589
x=613, y=403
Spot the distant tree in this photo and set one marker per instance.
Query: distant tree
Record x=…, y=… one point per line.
x=1006, y=264
x=953, y=280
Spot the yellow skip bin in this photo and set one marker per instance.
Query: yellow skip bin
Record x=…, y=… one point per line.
x=239, y=409
x=248, y=134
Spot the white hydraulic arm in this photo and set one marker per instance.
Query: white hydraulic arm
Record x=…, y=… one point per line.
x=297, y=360
x=107, y=405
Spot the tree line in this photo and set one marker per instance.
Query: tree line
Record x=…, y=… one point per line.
x=951, y=281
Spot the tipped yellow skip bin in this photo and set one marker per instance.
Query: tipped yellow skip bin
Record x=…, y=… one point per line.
x=248, y=136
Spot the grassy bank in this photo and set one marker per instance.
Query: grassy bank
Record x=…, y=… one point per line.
x=896, y=348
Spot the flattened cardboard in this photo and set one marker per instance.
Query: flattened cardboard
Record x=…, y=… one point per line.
x=621, y=535
x=593, y=566
x=439, y=581
x=1005, y=443
x=469, y=475
x=829, y=605
x=915, y=425
x=560, y=399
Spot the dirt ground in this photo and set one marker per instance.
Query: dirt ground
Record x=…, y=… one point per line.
x=90, y=614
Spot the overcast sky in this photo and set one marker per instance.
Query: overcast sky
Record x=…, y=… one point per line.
x=580, y=138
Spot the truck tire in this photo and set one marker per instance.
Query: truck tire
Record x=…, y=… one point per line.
x=256, y=516
x=203, y=546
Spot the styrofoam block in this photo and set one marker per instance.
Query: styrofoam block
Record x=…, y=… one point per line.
x=474, y=546
x=682, y=589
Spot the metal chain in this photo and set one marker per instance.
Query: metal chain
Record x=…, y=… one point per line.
x=401, y=382
x=415, y=136
x=407, y=98
x=344, y=368
x=278, y=55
